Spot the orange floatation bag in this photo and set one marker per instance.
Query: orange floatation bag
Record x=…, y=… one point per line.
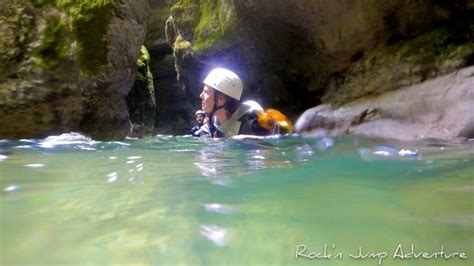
x=273, y=120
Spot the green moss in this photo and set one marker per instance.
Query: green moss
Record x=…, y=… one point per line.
x=184, y=6
x=89, y=21
x=181, y=44
x=430, y=49
x=186, y=14
x=216, y=18
x=143, y=65
x=209, y=21
x=40, y=3
x=53, y=46
x=89, y=24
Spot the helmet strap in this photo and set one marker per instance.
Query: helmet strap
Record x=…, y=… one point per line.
x=215, y=108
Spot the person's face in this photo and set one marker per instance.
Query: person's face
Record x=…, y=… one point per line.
x=207, y=99
x=199, y=119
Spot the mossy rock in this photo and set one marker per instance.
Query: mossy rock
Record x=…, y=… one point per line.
x=87, y=22
x=143, y=65
x=391, y=66
x=17, y=24
x=41, y=3
x=141, y=99
x=433, y=47
x=53, y=48
x=217, y=17
x=206, y=23
x=186, y=16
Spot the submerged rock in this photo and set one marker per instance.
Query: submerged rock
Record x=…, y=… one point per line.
x=437, y=108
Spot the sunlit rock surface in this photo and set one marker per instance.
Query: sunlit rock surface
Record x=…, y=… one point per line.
x=438, y=108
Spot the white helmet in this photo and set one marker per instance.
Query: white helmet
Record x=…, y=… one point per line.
x=200, y=112
x=226, y=82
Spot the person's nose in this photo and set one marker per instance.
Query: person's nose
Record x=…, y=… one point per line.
x=201, y=95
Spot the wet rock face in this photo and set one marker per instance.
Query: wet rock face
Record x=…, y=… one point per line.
x=347, y=28
x=141, y=99
x=256, y=48
x=437, y=108
x=68, y=66
x=174, y=107
x=295, y=54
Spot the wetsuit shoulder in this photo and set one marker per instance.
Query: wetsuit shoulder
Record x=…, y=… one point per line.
x=250, y=126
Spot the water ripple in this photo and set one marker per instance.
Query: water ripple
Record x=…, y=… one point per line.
x=217, y=208
x=34, y=165
x=383, y=151
x=215, y=234
x=12, y=188
x=112, y=177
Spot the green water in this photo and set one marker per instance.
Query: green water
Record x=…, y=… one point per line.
x=177, y=200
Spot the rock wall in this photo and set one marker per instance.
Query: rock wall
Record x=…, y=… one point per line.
x=68, y=66
x=296, y=54
x=437, y=108
x=141, y=98
x=175, y=109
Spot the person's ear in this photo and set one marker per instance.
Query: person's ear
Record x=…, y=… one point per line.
x=220, y=100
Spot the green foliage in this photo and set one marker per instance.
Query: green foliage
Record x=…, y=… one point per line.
x=53, y=46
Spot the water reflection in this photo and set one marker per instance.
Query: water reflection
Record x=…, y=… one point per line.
x=243, y=156
x=384, y=151
x=233, y=193
x=75, y=140
x=214, y=233
x=12, y=188
x=3, y=157
x=34, y=165
x=112, y=177
x=218, y=208
x=324, y=143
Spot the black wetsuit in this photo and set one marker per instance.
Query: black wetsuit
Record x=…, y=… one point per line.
x=249, y=126
x=199, y=131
